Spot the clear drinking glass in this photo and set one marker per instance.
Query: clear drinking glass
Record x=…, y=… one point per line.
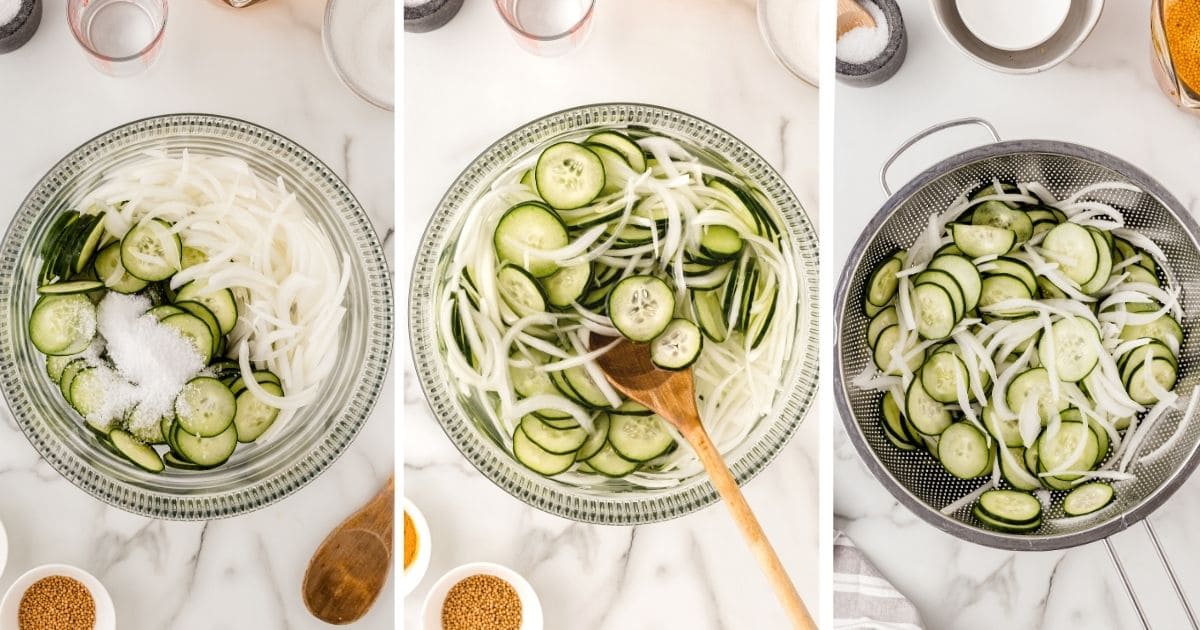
x=121, y=37
x=548, y=27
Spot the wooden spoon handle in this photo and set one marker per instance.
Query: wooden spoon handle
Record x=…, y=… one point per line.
x=727, y=487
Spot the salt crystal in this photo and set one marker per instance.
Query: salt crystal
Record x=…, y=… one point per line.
x=153, y=361
x=9, y=10
x=863, y=44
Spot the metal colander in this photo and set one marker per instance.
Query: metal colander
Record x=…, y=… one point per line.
x=915, y=478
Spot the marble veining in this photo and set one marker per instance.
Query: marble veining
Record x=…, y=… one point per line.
x=265, y=64
x=1103, y=96
x=468, y=84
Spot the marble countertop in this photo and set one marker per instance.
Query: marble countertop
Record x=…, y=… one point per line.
x=264, y=64
x=468, y=84
x=1103, y=96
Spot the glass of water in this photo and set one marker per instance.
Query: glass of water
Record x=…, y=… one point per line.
x=121, y=37
x=548, y=27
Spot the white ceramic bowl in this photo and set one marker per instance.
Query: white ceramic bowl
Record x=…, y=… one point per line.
x=1076, y=26
x=106, y=616
x=414, y=573
x=1013, y=24
x=431, y=610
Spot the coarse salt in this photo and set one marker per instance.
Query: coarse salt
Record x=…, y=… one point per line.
x=9, y=10
x=150, y=363
x=863, y=44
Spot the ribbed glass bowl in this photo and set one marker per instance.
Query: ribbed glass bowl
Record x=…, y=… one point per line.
x=258, y=474
x=607, y=501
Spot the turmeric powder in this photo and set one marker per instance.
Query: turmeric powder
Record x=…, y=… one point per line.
x=410, y=541
x=1181, y=23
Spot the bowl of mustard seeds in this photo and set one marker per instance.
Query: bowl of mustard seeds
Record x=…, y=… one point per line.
x=482, y=596
x=57, y=597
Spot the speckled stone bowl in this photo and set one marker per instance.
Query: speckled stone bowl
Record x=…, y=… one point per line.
x=21, y=29
x=430, y=16
x=883, y=66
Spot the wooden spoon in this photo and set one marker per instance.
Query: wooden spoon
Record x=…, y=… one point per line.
x=852, y=15
x=672, y=395
x=349, y=569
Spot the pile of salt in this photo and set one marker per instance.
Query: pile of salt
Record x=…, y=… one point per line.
x=864, y=44
x=19, y=20
x=150, y=363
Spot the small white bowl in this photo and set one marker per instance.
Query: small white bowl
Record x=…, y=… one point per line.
x=106, y=616
x=1077, y=25
x=3, y=548
x=431, y=611
x=415, y=573
x=1013, y=24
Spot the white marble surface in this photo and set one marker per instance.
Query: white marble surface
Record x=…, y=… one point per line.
x=467, y=85
x=264, y=64
x=1103, y=96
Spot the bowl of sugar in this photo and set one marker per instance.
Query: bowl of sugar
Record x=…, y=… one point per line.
x=870, y=55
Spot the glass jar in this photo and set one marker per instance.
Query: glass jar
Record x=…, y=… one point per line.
x=1176, y=59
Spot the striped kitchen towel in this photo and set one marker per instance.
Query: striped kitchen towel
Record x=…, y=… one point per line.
x=862, y=598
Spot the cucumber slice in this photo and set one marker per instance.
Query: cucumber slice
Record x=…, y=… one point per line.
x=526, y=228
x=89, y=393
x=1001, y=526
x=1087, y=498
x=194, y=330
x=253, y=417
x=934, y=311
x=569, y=175
x=608, y=462
x=982, y=240
x=1058, y=451
x=720, y=242
x=551, y=439
x=963, y=451
x=55, y=366
x=882, y=283
x=621, y=144
x=1006, y=431
x=71, y=287
x=893, y=420
x=537, y=458
x=946, y=281
x=62, y=324
x=1139, y=382
x=567, y=285
x=1155, y=350
x=1011, y=506
x=584, y=387
x=151, y=251
x=1000, y=214
x=1012, y=267
x=1001, y=288
x=112, y=273
x=706, y=308
x=143, y=456
x=1034, y=382
x=530, y=381
x=206, y=451
x=201, y=311
x=678, y=346
x=520, y=291
x=67, y=378
x=929, y=416
x=965, y=273
x=595, y=440
x=882, y=353
x=205, y=408
x=1164, y=330
x=1073, y=248
x=1072, y=345
x=941, y=374
x=220, y=302
x=1021, y=481
x=641, y=307
x=638, y=438
x=1104, y=263
x=887, y=317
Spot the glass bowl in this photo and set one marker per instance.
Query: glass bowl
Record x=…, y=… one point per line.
x=608, y=501
x=258, y=474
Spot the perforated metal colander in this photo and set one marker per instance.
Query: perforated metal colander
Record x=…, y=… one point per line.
x=915, y=478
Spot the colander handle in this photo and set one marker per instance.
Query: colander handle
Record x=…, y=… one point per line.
x=1162, y=557
x=949, y=124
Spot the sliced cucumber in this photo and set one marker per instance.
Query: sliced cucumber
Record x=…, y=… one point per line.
x=201, y=311
x=151, y=251
x=641, y=307
x=942, y=279
x=1000, y=214
x=1001, y=288
x=963, y=451
x=882, y=283
x=1058, y=451
x=941, y=374
x=525, y=229
x=1073, y=248
x=965, y=273
x=934, y=311
x=1141, y=379
x=62, y=324
x=205, y=407
x=595, y=440
x=194, y=330
x=220, y=302
x=678, y=346
x=887, y=317
x=706, y=308
x=1072, y=347
x=928, y=415
x=1087, y=498
x=1034, y=382
x=1001, y=526
x=608, y=462
x=982, y=240
x=537, y=458
x=144, y=456
x=252, y=416
x=71, y=287
x=1011, y=506
x=638, y=438
x=520, y=291
x=621, y=144
x=567, y=285
x=551, y=439
x=569, y=175
x=112, y=273
x=206, y=451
